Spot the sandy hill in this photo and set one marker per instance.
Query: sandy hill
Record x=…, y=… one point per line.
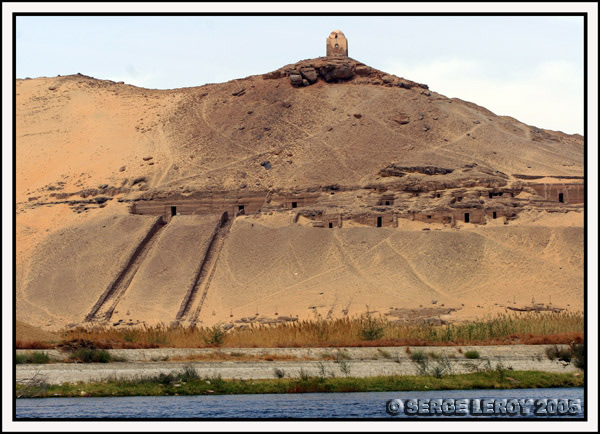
x=105, y=173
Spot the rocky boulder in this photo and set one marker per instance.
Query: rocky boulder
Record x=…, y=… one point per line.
x=336, y=71
x=296, y=79
x=363, y=70
x=309, y=74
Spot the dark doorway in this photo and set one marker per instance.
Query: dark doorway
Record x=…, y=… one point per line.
x=494, y=215
x=467, y=217
x=379, y=222
x=240, y=207
x=491, y=194
x=294, y=204
x=173, y=211
x=387, y=202
x=561, y=197
x=330, y=225
x=428, y=216
x=438, y=195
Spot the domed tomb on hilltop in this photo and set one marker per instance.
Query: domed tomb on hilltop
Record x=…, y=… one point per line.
x=337, y=44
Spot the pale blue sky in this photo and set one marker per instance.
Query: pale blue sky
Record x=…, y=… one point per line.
x=530, y=68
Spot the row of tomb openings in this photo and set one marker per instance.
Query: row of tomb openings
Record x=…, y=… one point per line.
x=251, y=205
x=391, y=220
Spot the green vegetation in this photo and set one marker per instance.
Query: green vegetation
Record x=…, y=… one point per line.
x=188, y=383
x=418, y=356
x=434, y=364
x=573, y=353
x=372, y=329
x=214, y=336
x=578, y=352
x=32, y=357
x=559, y=353
x=472, y=354
x=88, y=355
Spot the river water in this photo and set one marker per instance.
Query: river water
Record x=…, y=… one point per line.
x=363, y=405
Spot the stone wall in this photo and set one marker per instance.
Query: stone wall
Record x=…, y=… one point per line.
x=573, y=193
x=231, y=203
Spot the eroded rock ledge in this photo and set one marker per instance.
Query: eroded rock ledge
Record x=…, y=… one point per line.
x=337, y=69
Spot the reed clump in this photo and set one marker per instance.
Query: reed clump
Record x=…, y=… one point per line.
x=518, y=328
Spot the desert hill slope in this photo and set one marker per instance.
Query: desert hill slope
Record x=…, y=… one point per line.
x=81, y=131
x=89, y=151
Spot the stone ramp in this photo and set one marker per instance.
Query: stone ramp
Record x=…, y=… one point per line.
x=191, y=307
x=105, y=306
x=74, y=266
x=163, y=280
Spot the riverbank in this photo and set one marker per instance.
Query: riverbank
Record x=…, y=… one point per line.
x=281, y=370
x=265, y=363
x=187, y=382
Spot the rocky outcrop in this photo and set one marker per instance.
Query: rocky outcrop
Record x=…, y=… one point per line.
x=399, y=171
x=310, y=74
x=336, y=69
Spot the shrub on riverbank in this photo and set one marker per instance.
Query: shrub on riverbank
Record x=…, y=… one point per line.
x=578, y=352
x=472, y=354
x=88, y=355
x=32, y=357
x=575, y=353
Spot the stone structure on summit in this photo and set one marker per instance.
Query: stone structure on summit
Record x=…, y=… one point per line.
x=337, y=44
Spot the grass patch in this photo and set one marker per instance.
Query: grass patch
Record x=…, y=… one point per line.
x=574, y=353
x=559, y=353
x=418, y=356
x=88, y=355
x=472, y=354
x=578, y=352
x=38, y=357
x=188, y=383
